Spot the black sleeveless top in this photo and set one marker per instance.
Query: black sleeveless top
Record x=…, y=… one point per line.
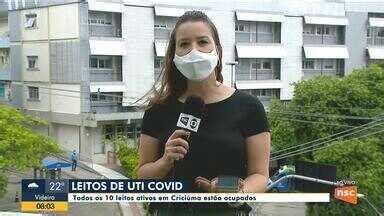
x=218, y=148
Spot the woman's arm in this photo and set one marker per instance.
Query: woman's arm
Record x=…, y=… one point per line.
x=151, y=165
x=258, y=152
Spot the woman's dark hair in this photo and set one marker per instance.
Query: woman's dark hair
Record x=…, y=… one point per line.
x=173, y=84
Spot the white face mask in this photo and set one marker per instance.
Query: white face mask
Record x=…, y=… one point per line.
x=196, y=65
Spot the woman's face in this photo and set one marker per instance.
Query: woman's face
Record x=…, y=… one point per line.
x=194, y=35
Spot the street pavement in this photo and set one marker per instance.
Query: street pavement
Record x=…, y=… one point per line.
x=127, y=209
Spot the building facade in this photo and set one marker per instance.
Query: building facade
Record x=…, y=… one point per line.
x=5, y=75
x=81, y=65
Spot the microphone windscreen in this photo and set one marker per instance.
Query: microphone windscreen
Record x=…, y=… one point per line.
x=194, y=106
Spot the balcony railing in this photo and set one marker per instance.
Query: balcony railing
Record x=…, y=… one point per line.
x=104, y=31
x=310, y=73
x=377, y=41
x=266, y=97
x=253, y=37
x=321, y=39
x=108, y=107
x=162, y=33
x=261, y=74
x=105, y=75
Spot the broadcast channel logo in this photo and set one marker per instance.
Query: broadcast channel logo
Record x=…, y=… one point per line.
x=189, y=122
x=193, y=123
x=347, y=194
x=184, y=120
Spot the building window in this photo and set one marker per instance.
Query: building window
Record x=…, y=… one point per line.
x=239, y=27
x=380, y=32
x=4, y=57
x=263, y=92
x=106, y=97
x=32, y=62
x=255, y=65
x=33, y=93
x=330, y=30
x=102, y=97
x=264, y=28
x=101, y=62
x=159, y=62
x=319, y=30
x=133, y=131
x=94, y=97
x=3, y=60
x=119, y=130
x=309, y=29
x=162, y=26
x=94, y=63
x=266, y=93
x=309, y=64
x=267, y=64
x=108, y=132
x=113, y=130
x=30, y=21
x=100, y=18
x=327, y=31
x=261, y=64
x=2, y=90
x=369, y=32
x=329, y=64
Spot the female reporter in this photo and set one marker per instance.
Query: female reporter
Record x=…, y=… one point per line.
x=233, y=138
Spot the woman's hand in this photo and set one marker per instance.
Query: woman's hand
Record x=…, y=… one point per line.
x=210, y=185
x=205, y=184
x=176, y=147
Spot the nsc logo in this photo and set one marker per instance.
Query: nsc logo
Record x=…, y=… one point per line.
x=347, y=194
x=188, y=122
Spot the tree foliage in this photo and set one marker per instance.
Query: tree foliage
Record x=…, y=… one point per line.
x=128, y=155
x=20, y=147
x=324, y=106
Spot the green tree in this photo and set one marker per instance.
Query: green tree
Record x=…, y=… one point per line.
x=361, y=160
x=324, y=106
x=20, y=147
x=282, y=131
x=128, y=155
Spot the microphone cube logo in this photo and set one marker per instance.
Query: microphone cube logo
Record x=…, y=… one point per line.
x=194, y=123
x=188, y=122
x=347, y=194
x=184, y=120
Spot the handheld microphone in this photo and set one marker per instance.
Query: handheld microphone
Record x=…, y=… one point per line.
x=192, y=114
x=190, y=118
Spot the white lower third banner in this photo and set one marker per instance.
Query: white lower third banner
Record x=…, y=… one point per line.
x=198, y=197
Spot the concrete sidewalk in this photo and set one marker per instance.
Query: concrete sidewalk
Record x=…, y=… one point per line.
x=127, y=209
